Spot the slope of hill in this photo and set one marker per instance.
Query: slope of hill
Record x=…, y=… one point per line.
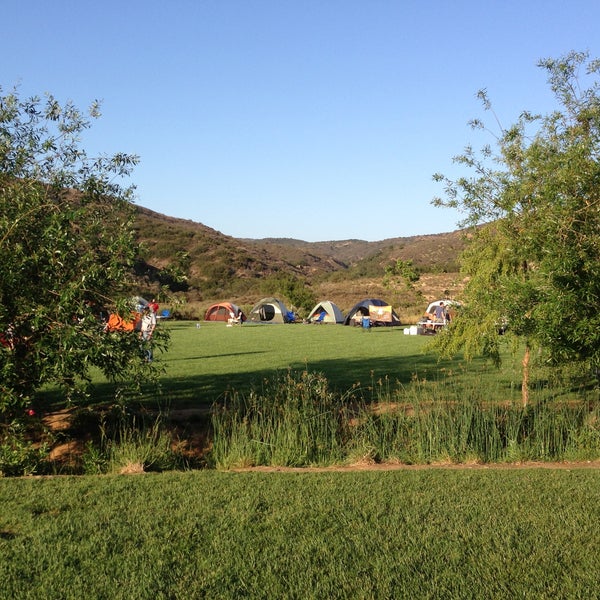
x=213, y=254
x=428, y=252
x=220, y=266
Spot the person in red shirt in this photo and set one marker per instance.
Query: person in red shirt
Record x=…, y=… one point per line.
x=154, y=306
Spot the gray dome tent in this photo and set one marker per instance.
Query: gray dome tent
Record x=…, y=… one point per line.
x=270, y=310
x=332, y=313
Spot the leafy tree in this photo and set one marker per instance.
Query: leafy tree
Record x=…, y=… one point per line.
x=401, y=272
x=66, y=246
x=175, y=275
x=534, y=209
x=293, y=289
x=400, y=278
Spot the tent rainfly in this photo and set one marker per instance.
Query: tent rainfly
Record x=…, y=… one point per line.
x=325, y=312
x=378, y=311
x=270, y=310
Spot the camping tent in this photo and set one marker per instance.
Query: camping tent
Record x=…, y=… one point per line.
x=332, y=313
x=116, y=322
x=429, y=323
x=221, y=311
x=450, y=305
x=379, y=312
x=270, y=310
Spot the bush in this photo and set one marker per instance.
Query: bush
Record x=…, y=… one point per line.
x=129, y=444
x=18, y=455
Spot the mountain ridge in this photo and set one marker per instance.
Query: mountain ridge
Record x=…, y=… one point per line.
x=220, y=266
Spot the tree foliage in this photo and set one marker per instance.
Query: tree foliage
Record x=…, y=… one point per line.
x=402, y=273
x=292, y=289
x=533, y=208
x=66, y=246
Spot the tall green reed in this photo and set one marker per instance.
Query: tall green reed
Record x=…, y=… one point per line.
x=425, y=423
x=295, y=420
x=131, y=443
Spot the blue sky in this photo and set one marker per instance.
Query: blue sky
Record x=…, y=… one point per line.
x=318, y=120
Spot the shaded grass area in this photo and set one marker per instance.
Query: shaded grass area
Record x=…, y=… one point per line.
x=206, y=363
x=225, y=359
x=527, y=533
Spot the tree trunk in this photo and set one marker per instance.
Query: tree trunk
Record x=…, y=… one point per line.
x=525, y=384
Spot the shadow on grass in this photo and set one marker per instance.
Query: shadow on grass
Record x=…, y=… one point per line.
x=220, y=355
x=342, y=375
x=366, y=377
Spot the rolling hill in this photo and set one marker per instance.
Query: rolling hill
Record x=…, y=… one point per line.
x=220, y=267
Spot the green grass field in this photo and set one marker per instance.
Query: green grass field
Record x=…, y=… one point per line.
x=305, y=395
x=435, y=533
x=204, y=363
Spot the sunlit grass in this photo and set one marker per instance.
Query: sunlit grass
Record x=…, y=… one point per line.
x=207, y=362
x=437, y=533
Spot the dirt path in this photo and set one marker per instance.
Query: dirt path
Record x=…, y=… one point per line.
x=403, y=467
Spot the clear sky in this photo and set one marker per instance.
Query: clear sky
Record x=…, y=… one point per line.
x=312, y=119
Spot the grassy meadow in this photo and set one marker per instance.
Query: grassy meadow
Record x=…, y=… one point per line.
x=434, y=533
x=304, y=395
x=206, y=362
x=316, y=395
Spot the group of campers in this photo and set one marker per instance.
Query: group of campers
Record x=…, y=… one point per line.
x=143, y=320
x=437, y=315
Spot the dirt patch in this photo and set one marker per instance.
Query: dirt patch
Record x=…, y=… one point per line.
x=445, y=466
x=59, y=420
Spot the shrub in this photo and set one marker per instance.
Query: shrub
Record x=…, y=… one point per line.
x=18, y=455
x=129, y=444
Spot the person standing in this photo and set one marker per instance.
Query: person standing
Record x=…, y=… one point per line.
x=440, y=313
x=147, y=329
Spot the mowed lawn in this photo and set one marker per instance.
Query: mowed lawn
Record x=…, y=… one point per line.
x=427, y=533
x=205, y=362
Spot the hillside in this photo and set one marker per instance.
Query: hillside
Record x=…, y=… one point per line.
x=223, y=267
x=428, y=252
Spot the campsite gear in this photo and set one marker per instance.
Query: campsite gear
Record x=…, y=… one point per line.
x=221, y=311
x=117, y=323
x=138, y=303
x=320, y=318
x=430, y=322
x=380, y=314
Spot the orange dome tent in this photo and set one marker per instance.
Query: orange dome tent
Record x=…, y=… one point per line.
x=221, y=311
